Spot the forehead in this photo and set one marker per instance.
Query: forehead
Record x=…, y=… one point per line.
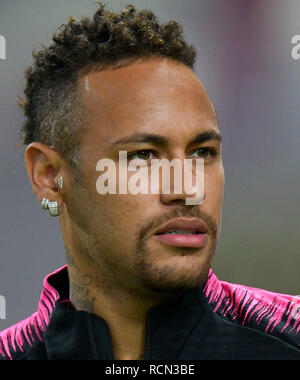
x=156, y=95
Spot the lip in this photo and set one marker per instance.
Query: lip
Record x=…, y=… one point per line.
x=182, y=240
x=184, y=224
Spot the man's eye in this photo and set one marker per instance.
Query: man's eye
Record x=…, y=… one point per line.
x=142, y=155
x=204, y=152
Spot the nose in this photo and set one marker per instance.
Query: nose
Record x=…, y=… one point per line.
x=179, y=199
x=184, y=184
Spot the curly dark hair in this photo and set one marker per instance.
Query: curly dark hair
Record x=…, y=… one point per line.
x=52, y=107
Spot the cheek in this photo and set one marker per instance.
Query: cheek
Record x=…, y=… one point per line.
x=214, y=186
x=119, y=217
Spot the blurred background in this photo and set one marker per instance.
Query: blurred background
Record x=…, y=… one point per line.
x=245, y=63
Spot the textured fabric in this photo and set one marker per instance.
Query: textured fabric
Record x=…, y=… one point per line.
x=217, y=321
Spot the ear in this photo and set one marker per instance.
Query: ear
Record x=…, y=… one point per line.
x=44, y=167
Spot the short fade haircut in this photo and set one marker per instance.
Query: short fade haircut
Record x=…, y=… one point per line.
x=53, y=111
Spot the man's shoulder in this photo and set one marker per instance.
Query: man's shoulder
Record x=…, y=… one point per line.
x=27, y=335
x=272, y=313
x=17, y=340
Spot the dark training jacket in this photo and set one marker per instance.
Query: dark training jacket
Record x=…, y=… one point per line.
x=217, y=321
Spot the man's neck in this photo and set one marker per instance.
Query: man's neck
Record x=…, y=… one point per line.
x=124, y=312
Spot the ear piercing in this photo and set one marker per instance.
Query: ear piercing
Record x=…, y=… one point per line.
x=60, y=183
x=44, y=203
x=52, y=206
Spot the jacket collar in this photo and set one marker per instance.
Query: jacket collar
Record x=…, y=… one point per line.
x=168, y=328
x=78, y=334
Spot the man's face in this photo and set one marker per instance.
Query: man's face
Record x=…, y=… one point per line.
x=118, y=231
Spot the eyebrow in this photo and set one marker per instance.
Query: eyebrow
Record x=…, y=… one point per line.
x=163, y=141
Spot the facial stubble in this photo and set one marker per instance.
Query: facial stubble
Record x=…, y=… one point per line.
x=169, y=277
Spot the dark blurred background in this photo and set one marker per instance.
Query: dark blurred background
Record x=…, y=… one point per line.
x=245, y=63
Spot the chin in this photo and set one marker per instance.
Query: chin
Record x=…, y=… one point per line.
x=175, y=274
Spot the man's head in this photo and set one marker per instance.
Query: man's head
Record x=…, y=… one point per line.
x=148, y=102
x=52, y=103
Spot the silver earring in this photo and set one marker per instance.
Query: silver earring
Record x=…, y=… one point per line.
x=44, y=203
x=60, y=183
x=53, y=208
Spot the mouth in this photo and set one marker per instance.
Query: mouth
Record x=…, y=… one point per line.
x=183, y=232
